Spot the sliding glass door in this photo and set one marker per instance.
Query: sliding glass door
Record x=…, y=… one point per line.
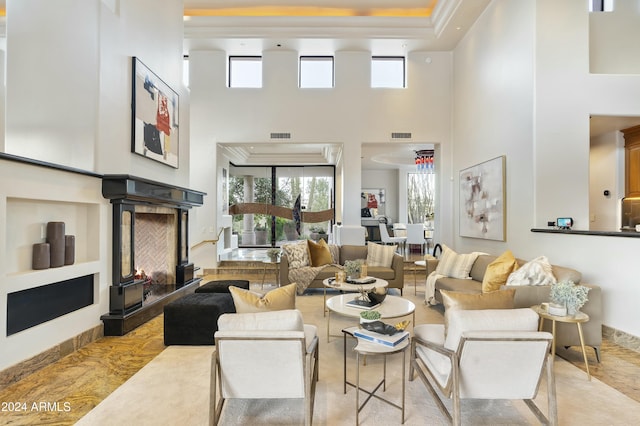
x=273, y=205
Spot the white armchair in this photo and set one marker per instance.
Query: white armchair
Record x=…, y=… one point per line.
x=486, y=354
x=264, y=355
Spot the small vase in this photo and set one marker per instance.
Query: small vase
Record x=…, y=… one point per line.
x=572, y=310
x=363, y=271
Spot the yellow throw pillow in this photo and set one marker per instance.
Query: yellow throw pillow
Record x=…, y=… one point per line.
x=498, y=272
x=275, y=300
x=453, y=300
x=502, y=299
x=319, y=253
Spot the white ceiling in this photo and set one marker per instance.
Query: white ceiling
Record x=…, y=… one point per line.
x=317, y=35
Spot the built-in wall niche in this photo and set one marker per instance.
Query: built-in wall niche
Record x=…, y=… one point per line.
x=26, y=225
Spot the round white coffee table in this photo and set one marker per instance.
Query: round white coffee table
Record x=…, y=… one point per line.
x=349, y=288
x=391, y=307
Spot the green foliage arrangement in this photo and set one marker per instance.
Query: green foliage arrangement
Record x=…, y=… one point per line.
x=370, y=315
x=569, y=294
x=352, y=267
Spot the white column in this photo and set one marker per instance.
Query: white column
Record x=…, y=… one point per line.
x=248, y=235
x=351, y=231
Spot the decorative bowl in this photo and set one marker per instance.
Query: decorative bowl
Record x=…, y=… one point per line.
x=377, y=295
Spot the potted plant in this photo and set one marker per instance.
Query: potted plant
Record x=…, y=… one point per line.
x=567, y=293
x=261, y=230
x=318, y=233
x=290, y=231
x=369, y=316
x=352, y=268
x=273, y=254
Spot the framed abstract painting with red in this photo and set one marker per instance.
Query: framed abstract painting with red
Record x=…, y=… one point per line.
x=154, y=116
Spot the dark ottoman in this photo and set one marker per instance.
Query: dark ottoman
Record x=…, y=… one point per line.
x=222, y=286
x=193, y=319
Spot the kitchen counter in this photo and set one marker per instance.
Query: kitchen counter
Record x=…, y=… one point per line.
x=627, y=234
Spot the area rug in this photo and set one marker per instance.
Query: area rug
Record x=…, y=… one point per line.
x=174, y=388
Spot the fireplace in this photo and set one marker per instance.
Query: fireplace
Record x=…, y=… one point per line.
x=150, y=263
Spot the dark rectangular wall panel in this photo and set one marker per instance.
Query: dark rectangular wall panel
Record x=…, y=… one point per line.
x=28, y=308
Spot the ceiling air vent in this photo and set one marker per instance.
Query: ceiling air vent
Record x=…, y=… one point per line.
x=400, y=135
x=280, y=135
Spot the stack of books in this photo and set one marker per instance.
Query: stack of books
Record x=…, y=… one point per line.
x=362, y=304
x=383, y=339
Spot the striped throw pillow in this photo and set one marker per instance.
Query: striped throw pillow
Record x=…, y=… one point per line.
x=379, y=255
x=455, y=265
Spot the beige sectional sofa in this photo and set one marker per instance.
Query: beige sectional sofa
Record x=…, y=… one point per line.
x=394, y=275
x=526, y=296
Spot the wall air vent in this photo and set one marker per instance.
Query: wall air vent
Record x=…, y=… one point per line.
x=400, y=135
x=280, y=135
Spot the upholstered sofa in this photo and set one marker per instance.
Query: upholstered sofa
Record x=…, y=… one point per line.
x=529, y=295
x=394, y=274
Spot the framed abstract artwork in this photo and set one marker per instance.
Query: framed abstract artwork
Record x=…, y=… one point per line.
x=154, y=116
x=373, y=201
x=482, y=200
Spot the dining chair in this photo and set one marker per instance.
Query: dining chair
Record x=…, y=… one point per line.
x=415, y=236
x=399, y=229
x=387, y=239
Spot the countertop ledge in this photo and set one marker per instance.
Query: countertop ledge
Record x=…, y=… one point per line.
x=626, y=234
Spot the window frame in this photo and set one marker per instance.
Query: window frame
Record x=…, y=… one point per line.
x=239, y=58
x=312, y=58
x=390, y=58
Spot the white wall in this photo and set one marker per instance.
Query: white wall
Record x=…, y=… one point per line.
x=52, y=80
x=522, y=93
x=68, y=100
x=493, y=112
x=350, y=114
x=606, y=165
x=613, y=39
x=69, y=81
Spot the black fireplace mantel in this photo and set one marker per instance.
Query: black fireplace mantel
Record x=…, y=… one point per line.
x=126, y=307
x=127, y=187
